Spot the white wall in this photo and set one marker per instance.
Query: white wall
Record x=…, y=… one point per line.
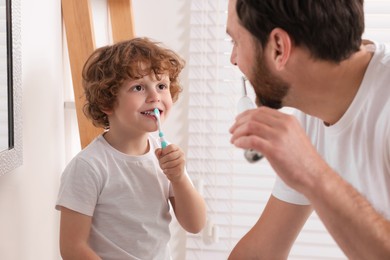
x=28, y=221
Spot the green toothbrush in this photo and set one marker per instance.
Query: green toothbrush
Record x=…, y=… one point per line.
x=160, y=133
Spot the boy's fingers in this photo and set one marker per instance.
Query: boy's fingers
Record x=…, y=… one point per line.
x=157, y=152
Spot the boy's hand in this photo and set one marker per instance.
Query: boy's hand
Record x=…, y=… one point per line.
x=172, y=162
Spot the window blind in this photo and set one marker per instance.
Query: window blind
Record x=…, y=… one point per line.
x=236, y=191
x=3, y=79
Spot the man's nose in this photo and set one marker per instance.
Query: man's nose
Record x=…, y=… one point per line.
x=233, y=56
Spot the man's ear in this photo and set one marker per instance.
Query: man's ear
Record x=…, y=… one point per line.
x=280, y=46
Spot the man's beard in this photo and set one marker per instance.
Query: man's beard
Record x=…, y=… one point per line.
x=270, y=90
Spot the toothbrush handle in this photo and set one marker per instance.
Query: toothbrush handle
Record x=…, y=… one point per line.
x=245, y=103
x=163, y=144
x=162, y=140
x=252, y=156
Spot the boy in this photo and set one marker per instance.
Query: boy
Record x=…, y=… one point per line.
x=114, y=194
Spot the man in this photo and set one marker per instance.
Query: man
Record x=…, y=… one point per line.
x=333, y=157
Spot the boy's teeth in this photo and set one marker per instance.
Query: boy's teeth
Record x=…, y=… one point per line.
x=148, y=113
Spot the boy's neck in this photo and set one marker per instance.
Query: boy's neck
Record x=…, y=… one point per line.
x=129, y=145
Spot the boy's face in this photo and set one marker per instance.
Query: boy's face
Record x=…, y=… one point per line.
x=136, y=99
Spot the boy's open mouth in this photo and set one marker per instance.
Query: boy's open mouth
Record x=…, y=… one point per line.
x=150, y=113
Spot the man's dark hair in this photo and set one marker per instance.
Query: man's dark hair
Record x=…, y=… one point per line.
x=329, y=29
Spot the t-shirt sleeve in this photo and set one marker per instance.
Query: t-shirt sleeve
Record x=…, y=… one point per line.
x=283, y=192
x=79, y=188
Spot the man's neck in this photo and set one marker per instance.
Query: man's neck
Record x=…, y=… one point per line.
x=326, y=90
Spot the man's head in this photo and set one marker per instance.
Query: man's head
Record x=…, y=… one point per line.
x=264, y=32
x=248, y=55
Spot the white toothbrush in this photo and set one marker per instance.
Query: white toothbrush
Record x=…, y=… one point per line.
x=160, y=133
x=245, y=103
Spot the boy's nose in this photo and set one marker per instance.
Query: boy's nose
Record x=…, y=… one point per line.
x=153, y=96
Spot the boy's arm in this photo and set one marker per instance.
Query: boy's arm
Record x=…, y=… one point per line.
x=188, y=205
x=74, y=234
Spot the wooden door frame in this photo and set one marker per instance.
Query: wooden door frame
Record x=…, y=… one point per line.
x=78, y=21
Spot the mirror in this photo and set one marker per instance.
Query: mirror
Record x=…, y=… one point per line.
x=10, y=86
x=4, y=88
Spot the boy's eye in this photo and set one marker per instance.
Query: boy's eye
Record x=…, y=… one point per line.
x=137, y=88
x=162, y=86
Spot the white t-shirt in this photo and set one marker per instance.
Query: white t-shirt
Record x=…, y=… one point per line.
x=127, y=197
x=358, y=145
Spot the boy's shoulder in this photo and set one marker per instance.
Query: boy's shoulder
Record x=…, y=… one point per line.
x=89, y=159
x=96, y=148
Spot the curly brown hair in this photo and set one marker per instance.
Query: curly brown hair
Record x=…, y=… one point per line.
x=110, y=66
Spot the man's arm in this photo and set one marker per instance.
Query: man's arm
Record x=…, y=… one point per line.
x=74, y=234
x=359, y=230
x=274, y=233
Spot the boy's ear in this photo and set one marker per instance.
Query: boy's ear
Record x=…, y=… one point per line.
x=280, y=47
x=107, y=112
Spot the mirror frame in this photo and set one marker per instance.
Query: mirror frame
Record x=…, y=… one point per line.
x=13, y=157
